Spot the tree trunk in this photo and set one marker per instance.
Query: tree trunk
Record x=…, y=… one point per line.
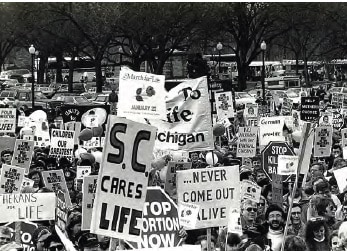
x=307, y=77
x=137, y=64
x=71, y=70
x=59, y=74
x=296, y=64
x=98, y=75
x=242, y=78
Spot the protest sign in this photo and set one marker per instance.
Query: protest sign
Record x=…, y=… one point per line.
x=224, y=105
x=270, y=129
x=270, y=156
x=251, y=121
x=341, y=178
x=287, y=165
x=27, y=207
x=123, y=179
x=62, y=143
x=26, y=234
x=74, y=113
x=344, y=137
x=88, y=196
x=141, y=95
x=250, y=190
x=234, y=221
x=188, y=124
x=41, y=132
x=323, y=141
x=11, y=179
x=338, y=120
x=217, y=86
x=287, y=106
x=82, y=171
x=59, y=123
x=21, y=120
x=76, y=127
x=62, y=210
x=8, y=120
x=170, y=182
x=326, y=119
x=306, y=147
x=337, y=99
x=309, y=109
x=26, y=182
x=160, y=224
x=55, y=180
x=91, y=121
x=277, y=190
x=251, y=110
x=188, y=214
x=23, y=153
x=247, y=142
x=215, y=190
x=93, y=142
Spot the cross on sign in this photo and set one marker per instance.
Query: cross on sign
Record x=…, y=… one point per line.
x=323, y=142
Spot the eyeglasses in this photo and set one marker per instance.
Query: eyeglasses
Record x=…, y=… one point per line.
x=319, y=231
x=331, y=207
x=296, y=213
x=250, y=209
x=261, y=204
x=335, y=243
x=60, y=247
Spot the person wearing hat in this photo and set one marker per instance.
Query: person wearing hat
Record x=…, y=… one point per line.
x=73, y=226
x=39, y=236
x=53, y=243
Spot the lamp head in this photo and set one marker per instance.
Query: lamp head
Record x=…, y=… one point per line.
x=219, y=46
x=263, y=46
x=32, y=49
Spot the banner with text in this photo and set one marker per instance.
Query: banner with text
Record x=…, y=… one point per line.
x=23, y=153
x=62, y=143
x=27, y=207
x=224, y=105
x=323, y=141
x=88, y=196
x=55, y=180
x=141, y=95
x=11, y=179
x=270, y=129
x=247, y=143
x=123, y=178
x=188, y=125
x=215, y=190
x=250, y=190
x=8, y=120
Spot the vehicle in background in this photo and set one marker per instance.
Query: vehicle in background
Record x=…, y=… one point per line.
x=243, y=98
x=11, y=83
x=282, y=82
x=9, y=96
x=77, y=88
x=48, y=91
x=102, y=99
x=293, y=96
x=89, y=95
x=22, y=75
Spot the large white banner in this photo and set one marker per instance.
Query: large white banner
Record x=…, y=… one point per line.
x=123, y=177
x=270, y=129
x=141, y=95
x=188, y=125
x=214, y=189
x=27, y=207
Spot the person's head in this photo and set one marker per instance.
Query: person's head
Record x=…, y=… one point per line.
x=325, y=119
x=39, y=236
x=202, y=241
x=251, y=111
x=104, y=241
x=334, y=241
x=267, y=193
x=233, y=242
x=339, y=163
x=316, y=169
x=249, y=210
x=294, y=243
x=323, y=188
x=36, y=177
x=325, y=207
x=295, y=215
x=261, y=205
x=53, y=243
x=275, y=217
x=5, y=235
x=88, y=242
x=337, y=151
x=260, y=177
x=73, y=224
x=333, y=185
x=6, y=156
x=316, y=228
x=194, y=156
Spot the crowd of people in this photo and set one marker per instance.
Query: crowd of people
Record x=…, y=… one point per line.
x=318, y=208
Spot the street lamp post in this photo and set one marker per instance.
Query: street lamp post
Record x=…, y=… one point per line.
x=32, y=52
x=219, y=48
x=263, y=49
x=37, y=65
